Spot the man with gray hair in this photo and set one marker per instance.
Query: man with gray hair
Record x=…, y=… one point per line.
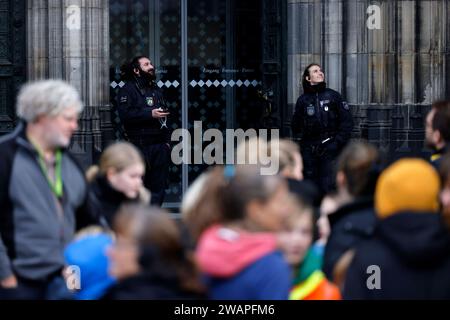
x=42, y=191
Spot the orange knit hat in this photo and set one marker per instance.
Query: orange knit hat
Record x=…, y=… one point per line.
x=407, y=185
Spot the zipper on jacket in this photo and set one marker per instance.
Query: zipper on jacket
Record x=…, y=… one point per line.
x=319, y=112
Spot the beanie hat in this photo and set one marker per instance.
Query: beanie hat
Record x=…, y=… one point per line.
x=407, y=185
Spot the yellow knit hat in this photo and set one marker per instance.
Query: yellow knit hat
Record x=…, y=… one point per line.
x=407, y=185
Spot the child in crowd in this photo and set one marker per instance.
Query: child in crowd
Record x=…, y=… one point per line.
x=116, y=180
x=149, y=259
x=239, y=256
x=309, y=281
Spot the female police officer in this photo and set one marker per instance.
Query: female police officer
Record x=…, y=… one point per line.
x=323, y=122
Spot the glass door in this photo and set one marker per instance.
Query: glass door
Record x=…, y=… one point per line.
x=224, y=58
x=208, y=59
x=151, y=28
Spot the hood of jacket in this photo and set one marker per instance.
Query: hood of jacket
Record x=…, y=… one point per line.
x=223, y=252
x=420, y=239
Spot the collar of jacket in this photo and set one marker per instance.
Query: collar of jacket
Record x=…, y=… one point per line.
x=142, y=85
x=358, y=204
x=109, y=192
x=305, y=288
x=438, y=153
x=310, y=264
x=308, y=88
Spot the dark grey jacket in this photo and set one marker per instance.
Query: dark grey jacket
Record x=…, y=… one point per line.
x=33, y=233
x=407, y=258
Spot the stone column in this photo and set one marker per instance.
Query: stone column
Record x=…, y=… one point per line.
x=381, y=81
x=69, y=40
x=273, y=65
x=332, y=43
x=355, y=61
x=304, y=43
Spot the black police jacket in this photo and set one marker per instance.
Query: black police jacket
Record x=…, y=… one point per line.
x=135, y=104
x=321, y=114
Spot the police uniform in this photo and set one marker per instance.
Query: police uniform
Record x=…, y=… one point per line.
x=135, y=103
x=323, y=122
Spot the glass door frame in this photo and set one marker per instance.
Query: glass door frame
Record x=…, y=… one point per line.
x=184, y=89
x=230, y=54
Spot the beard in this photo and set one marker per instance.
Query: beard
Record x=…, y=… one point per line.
x=430, y=144
x=57, y=140
x=147, y=77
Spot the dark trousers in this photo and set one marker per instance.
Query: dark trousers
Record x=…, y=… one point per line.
x=54, y=288
x=157, y=162
x=319, y=167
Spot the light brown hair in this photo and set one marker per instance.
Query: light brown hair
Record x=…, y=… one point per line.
x=359, y=163
x=119, y=155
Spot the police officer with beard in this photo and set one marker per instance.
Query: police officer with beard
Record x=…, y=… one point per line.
x=143, y=113
x=323, y=123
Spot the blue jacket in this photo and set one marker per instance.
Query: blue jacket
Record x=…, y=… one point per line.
x=242, y=265
x=266, y=279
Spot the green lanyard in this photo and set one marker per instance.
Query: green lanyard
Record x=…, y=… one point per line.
x=57, y=186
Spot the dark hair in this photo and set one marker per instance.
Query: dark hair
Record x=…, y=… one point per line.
x=302, y=208
x=444, y=168
x=441, y=119
x=127, y=69
x=159, y=242
x=135, y=61
x=440, y=104
x=305, y=83
x=359, y=161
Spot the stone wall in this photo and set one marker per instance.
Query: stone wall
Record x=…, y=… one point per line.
x=12, y=59
x=389, y=70
x=69, y=40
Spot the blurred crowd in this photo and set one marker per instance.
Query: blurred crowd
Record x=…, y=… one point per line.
x=381, y=234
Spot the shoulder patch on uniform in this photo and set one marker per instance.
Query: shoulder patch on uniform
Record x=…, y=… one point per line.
x=345, y=105
x=123, y=99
